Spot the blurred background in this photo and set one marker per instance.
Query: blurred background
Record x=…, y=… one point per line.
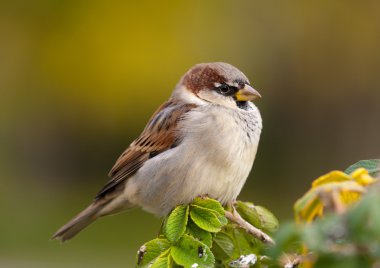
x=79, y=80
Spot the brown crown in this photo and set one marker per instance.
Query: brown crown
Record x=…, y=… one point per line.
x=202, y=76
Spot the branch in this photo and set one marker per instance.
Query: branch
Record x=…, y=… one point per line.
x=236, y=218
x=290, y=261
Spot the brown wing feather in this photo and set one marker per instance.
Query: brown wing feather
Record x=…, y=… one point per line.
x=159, y=135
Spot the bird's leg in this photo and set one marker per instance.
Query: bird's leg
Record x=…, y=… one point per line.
x=230, y=206
x=235, y=217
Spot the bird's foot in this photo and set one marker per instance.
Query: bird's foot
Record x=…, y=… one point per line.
x=235, y=217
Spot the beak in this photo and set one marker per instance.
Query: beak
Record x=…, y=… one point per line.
x=247, y=93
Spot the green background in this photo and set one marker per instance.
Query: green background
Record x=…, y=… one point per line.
x=79, y=80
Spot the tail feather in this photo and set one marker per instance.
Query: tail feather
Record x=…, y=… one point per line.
x=78, y=223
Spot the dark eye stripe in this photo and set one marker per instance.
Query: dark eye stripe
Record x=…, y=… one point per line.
x=226, y=90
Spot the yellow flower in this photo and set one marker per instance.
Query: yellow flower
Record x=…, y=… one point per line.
x=332, y=192
x=362, y=177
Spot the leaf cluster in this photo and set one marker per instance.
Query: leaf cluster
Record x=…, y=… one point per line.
x=186, y=237
x=199, y=235
x=348, y=240
x=336, y=239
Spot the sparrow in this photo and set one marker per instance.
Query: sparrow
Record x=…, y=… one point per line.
x=201, y=142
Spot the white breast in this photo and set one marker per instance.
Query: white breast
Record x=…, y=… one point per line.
x=215, y=157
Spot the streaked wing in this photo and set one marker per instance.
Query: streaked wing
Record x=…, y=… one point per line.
x=160, y=134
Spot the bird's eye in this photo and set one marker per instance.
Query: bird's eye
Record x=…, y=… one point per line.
x=225, y=89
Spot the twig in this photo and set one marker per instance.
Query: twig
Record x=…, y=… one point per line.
x=236, y=218
x=332, y=202
x=290, y=261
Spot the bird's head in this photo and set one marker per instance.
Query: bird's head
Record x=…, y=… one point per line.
x=217, y=83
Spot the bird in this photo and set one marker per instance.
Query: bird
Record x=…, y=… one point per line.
x=201, y=142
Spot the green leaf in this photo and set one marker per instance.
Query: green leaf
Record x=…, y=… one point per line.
x=151, y=251
x=176, y=223
x=269, y=222
x=163, y=261
x=223, y=246
x=205, y=218
x=189, y=251
x=210, y=204
x=243, y=243
x=213, y=205
x=372, y=165
x=363, y=220
x=223, y=220
x=258, y=216
x=199, y=234
x=359, y=216
x=314, y=236
x=248, y=212
x=288, y=239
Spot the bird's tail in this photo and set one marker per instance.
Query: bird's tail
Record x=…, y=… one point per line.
x=79, y=222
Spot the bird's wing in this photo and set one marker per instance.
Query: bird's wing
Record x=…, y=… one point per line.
x=160, y=134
